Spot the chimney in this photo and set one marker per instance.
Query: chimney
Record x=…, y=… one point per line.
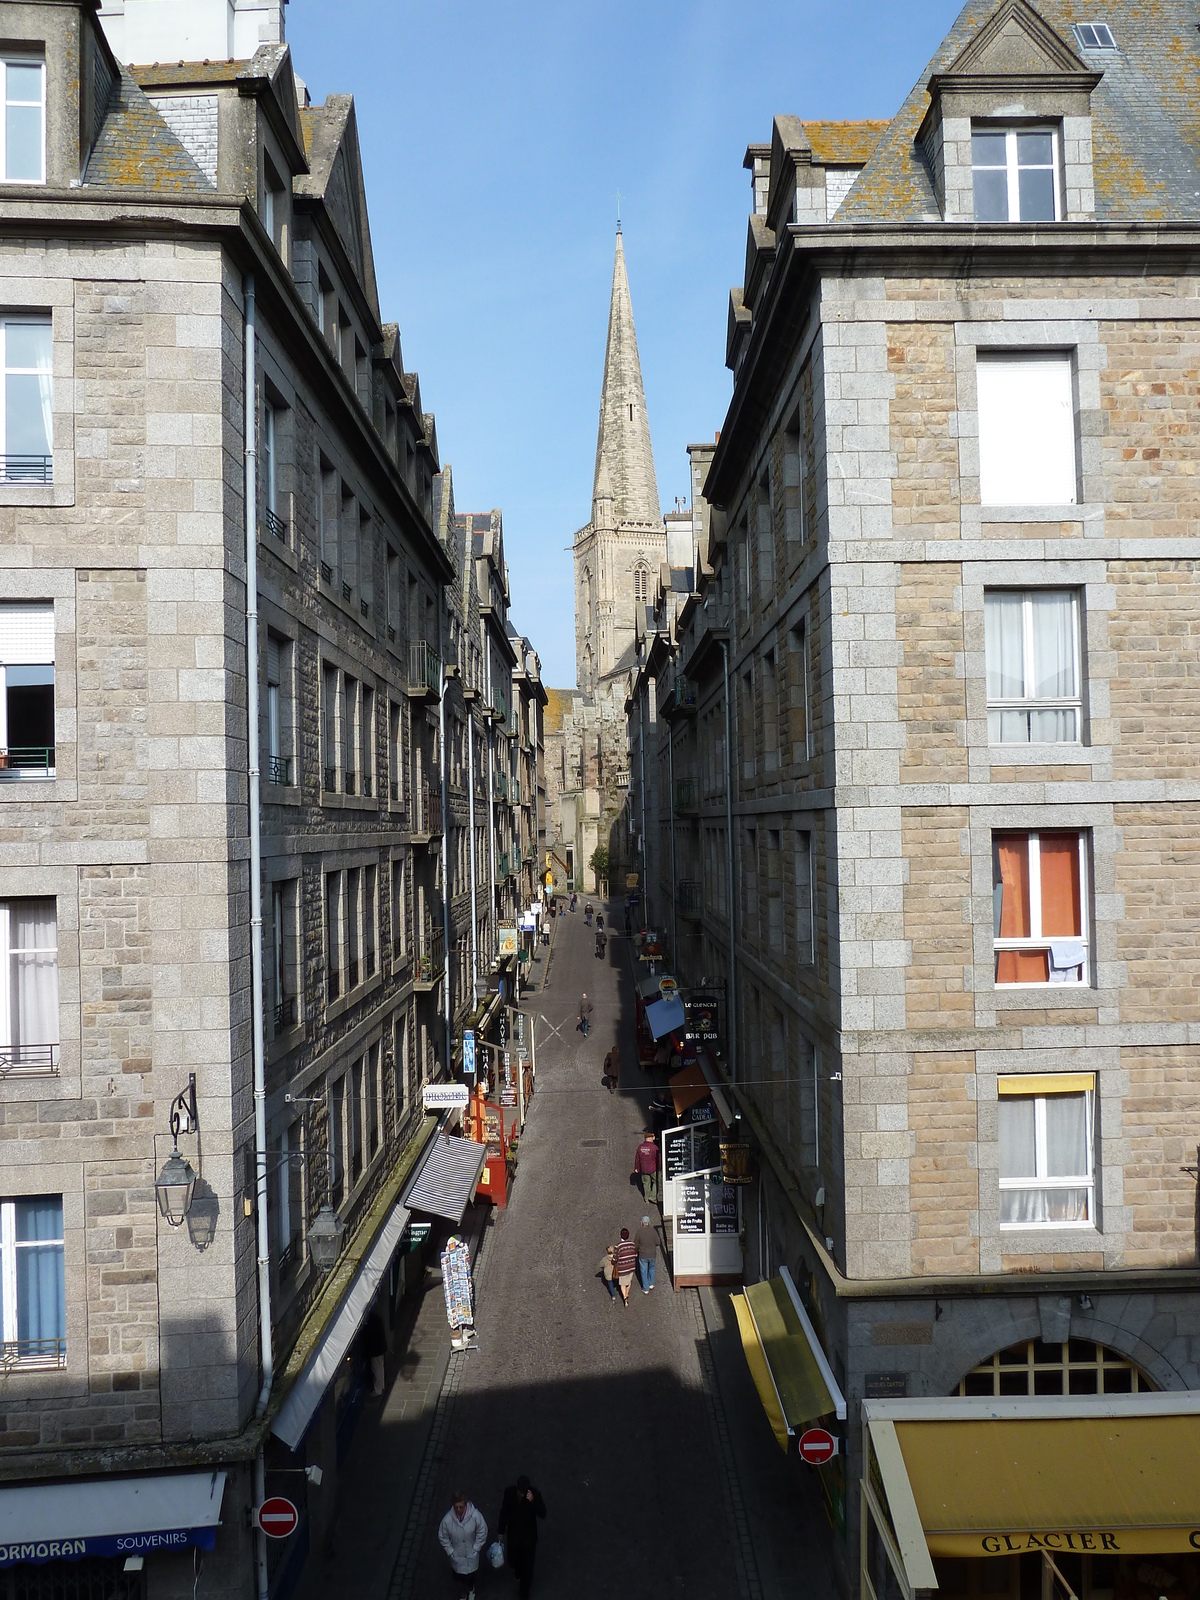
x=142, y=31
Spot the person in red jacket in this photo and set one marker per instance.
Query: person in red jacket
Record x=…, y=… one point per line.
x=645, y=1164
x=625, y=1264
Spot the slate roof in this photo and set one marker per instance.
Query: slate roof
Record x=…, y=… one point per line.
x=842, y=143
x=1145, y=116
x=135, y=148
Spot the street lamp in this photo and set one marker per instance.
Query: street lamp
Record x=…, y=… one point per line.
x=176, y=1183
x=325, y=1238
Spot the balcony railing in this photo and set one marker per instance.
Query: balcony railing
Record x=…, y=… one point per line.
x=27, y=469
x=432, y=959
x=32, y=1353
x=326, y=572
x=40, y=1058
x=285, y=1014
x=279, y=769
x=501, y=867
x=275, y=525
x=26, y=761
x=685, y=692
x=424, y=668
x=622, y=780
x=687, y=795
x=501, y=785
x=689, y=898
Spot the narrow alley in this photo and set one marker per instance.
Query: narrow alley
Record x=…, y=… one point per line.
x=641, y=1426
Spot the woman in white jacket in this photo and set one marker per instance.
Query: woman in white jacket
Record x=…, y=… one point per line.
x=462, y=1534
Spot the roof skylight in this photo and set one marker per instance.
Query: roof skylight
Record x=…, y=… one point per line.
x=1095, y=36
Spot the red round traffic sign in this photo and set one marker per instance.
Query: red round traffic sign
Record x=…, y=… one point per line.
x=817, y=1446
x=277, y=1517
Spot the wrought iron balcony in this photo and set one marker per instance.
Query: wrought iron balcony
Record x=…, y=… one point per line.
x=685, y=693
x=279, y=769
x=275, y=525
x=689, y=898
x=27, y=469
x=32, y=1353
x=424, y=669
x=431, y=960
x=39, y=1058
x=687, y=796
x=326, y=572
x=27, y=761
x=285, y=1014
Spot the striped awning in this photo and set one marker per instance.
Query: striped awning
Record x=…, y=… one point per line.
x=444, y=1183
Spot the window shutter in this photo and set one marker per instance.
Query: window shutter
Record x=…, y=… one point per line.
x=26, y=634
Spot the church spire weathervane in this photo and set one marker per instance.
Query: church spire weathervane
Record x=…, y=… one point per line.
x=618, y=210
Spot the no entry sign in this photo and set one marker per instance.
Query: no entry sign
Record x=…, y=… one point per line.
x=277, y=1517
x=817, y=1446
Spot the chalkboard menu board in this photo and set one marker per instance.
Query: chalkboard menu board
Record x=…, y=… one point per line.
x=723, y=1206
x=677, y=1151
x=706, y=1146
x=689, y=1206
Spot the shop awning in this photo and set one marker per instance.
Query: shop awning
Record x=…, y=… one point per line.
x=109, y=1517
x=785, y=1358
x=305, y=1395
x=665, y=1016
x=445, y=1181
x=1117, y=1474
x=688, y=1087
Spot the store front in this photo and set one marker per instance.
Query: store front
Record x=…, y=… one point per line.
x=1073, y=1498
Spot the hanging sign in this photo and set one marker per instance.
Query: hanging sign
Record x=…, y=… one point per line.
x=507, y=940
x=468, y=1064
x=444, y=1096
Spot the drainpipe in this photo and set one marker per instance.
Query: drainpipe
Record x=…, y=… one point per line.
x=642, y=785
x=256, y=968
x=443, y=774
x=471, y=853
x=732, y=1002
x=671, y=814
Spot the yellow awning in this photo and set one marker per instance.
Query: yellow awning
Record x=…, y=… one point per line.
x=1117, y=1475
x=781, y=1361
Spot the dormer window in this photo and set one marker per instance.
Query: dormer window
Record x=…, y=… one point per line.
x=24, y=154
x=1015, y=174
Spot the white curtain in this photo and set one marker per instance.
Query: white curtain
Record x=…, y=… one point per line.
x=1066, y=1136
x=1017, y=1137
x=33, y=958
x=1004, y=633
x=1053, y=645
x=1066, y=1156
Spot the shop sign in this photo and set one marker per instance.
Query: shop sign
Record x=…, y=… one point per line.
x=735, y=1162
x=700, y=1009
x=668, y=988
x=105, y=1544
x=445, y=1096
x=468, y=1064
x=631, y=880
x=507, y=939
x=418, y=1232
x=1061, y=1541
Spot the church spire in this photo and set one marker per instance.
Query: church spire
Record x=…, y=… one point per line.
x=624, y=460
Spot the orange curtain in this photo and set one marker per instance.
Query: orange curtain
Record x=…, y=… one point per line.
x=1016, y=966
x=1060, y=886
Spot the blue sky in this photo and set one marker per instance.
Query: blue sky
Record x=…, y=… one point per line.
x=495, y=138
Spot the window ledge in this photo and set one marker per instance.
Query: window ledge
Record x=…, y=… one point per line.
x=1042, y=755
x=1037, y=993
x=1072, y=512
x=29, y=494
x=281, y=794
x=1049, y=1238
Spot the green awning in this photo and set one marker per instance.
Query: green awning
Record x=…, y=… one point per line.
x=781, y=1359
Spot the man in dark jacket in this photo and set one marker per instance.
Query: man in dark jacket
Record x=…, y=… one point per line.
x=519, y=1513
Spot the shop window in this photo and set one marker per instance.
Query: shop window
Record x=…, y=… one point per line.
x=26, y=690
x=1026, y=430
x=29, y=1028
x=1033, y=1367
x=27, y=426
x=1033, y=666
x=33, y=1297
x=1046, y=1150
x=1040, y=931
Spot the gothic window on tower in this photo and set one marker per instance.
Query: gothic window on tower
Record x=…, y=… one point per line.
x=641, y=584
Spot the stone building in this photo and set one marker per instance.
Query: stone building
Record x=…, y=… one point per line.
x=187, y=247
x=618, y=557
x=947, y=608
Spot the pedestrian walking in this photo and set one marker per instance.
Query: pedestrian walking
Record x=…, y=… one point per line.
x=607, y=1269
x=625, y=1264
x=646, y=1239
x=462, y=1534
x=601, y=941
x=645, y=1164
x=585, y=1016
x=375, y=1350
x=612, y=1069
x=587, y=913
x=572, y=901
x=519, y=1512
x=599, y=921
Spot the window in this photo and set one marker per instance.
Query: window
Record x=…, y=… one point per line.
x=337, y=1140
x=393, y=594
x=641, y=585
x=29, y=1036
x=798, y=692
x=283, y=974
x=357, y=1082
x=279, y=701
x=746, y=725
x=793, y=488
x=750, y=885
x=349, y=733
x=1039, y=899
x=1033, y=666
x=1015, y=173
x=399, y=911
x=28, y=421
x=373, y=1108
x=805, y=896
x=366, y=744
x=1046, y=1150
x=274, y=215
x=766, y=540
x=333, y=933
x=1075, y=1367
x=400, y=1065
x=395, y=755
x=770, y=712
x=33, y=1295
x=329, y=505
x=1026, y=430
x=1094, y=36
x=353, y=926
x=370, y=893
x=275, y=524
x=329, y=701
x=289, y=1203
x=24, y=159
x=773, y=880
x=26, y=690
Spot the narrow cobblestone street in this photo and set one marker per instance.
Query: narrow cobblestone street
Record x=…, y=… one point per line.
x=641, y=1427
